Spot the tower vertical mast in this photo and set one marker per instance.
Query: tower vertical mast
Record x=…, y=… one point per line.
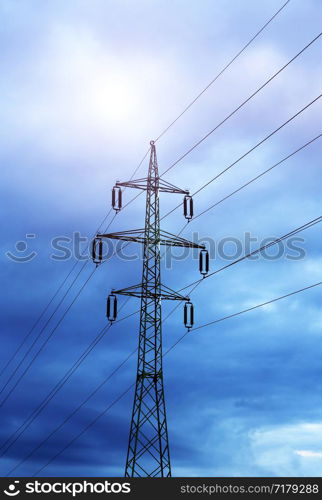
x=148, y=448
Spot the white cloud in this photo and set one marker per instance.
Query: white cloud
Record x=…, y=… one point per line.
x=308, y=453
x=283, y=450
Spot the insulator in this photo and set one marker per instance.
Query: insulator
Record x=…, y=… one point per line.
x=111, y=307
x=97, y=250
x=188, y=207
x=188, y=315
x=117, y=198
x=204, y=262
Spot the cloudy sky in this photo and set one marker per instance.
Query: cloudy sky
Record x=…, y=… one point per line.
x=85, y=85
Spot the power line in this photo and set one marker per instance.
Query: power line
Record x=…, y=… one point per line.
x=46, y=308
x=239, y=53
x=101, y=414
x=279, y=239
x=308, y=225
x=242, y=157
x=238, y=160
x=136, y=196
x=194, y=285
x=59, y=385
x=59, y=304
x=63, y=282
x=64, y=422
x=231, y=165
x=197, y=282
x=222, y=71
x=295, y=231
x=311, y=103
x=213, y=81
x=43, y=328
x=258, y=176
x=249, y=182
x=242, y=104
x=257, y=306
x=239, y=107
x=244, y=311
x=104, y=219
x=244, y=185
x=260, y=142
x=41, y=331
x=249, y=151
x=86, y=428
x=46, y=341
x=52, y=332
x=207, y=87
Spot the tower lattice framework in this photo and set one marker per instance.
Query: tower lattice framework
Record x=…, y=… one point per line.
x=148, y=447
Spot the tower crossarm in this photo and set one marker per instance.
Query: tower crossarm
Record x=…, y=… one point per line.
x=163, y=186
x=139, y=291
x=163, y=238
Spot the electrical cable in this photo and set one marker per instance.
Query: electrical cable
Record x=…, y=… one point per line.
x=45, y=342
x=308, y=225
x=194, y=285
x=239, y=53
x=59, y=385
x=242, y=104
x=57, y=306
x=177, y=161
x=211, y=181
x=258, y=176
x=268, y=245
x=22, y=343
x=101, y=414
x=46, y=308
x=231, y=165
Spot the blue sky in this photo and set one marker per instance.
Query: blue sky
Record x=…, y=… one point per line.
x=85, y=86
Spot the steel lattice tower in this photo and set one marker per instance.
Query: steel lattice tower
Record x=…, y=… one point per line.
x=148, y=448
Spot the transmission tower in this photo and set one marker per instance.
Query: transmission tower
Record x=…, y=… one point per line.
x=148, y=447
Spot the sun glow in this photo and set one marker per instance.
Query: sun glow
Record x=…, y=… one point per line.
x=111, y=98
